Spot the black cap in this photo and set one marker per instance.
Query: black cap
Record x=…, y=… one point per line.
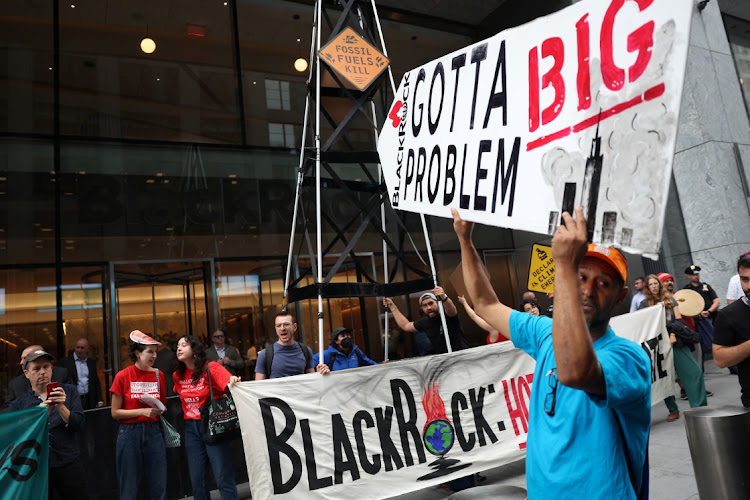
x=335, y=334
x=33, y=356
x=693, y=269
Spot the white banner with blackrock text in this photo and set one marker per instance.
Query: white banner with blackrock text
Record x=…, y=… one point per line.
x=385, y=430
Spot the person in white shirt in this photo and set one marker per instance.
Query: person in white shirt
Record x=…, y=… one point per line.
x=638, y=296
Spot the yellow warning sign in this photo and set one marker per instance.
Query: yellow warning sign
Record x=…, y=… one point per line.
x=541, y=269
x=354, y=58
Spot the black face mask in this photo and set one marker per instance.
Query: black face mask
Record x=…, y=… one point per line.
x=346, y=343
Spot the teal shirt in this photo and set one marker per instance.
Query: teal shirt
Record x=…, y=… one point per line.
x=579, y=452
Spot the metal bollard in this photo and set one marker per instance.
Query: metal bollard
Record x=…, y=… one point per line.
x=719, y=439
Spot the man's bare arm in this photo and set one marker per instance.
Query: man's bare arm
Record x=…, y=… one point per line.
x=448, y=305
x=725, y=356
x=478, y=286
x=401, y=320
x=577, y=364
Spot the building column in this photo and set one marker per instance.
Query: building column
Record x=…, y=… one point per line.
x=712, y=155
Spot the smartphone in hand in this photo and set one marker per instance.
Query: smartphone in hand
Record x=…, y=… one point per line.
x=51, y=386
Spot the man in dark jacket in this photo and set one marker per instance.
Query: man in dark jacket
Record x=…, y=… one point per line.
x=20, y=384
x=83, y=370
x=66, y=472
x=225, y=354
x=343, y=353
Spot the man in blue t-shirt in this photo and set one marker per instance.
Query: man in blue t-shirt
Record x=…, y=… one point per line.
x=590, y=406
x=289, y=356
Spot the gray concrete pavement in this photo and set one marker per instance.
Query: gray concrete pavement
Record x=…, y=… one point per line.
x=671, y=477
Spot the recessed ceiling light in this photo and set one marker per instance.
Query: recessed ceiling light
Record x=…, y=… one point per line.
x=72, y=6
x=159, y=174
x=232, y=176
x=50, y=68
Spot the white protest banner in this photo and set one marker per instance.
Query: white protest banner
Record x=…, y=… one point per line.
x=385, y=430
x=648, y=327
x=576, y=108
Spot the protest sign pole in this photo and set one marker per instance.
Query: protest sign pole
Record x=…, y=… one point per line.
x=318, y=217
x=434, y=280
x=380, y=166
x=382, y=45
x=386, y=331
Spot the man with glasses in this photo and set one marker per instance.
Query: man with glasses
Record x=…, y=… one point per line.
x=341, y=354
x=285, y=357
x=225, y=354
x=590, y=408
x=732, y=335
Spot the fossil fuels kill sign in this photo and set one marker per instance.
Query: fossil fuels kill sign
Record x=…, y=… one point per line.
x=354, y=58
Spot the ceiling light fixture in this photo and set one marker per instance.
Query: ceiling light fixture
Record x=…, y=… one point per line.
x=301, y=63
x=148, y=45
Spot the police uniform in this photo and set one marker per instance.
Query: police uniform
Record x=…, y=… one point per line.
x=704, y=289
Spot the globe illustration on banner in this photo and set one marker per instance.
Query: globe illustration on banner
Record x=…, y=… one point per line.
x=438, y=437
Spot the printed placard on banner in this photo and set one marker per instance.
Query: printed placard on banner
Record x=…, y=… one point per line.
x=541, y=269
x=354, y=58
x=576, y=108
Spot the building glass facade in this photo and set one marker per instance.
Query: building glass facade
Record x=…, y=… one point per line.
x=155, y=191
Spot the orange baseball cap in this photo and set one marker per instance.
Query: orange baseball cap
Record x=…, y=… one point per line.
x=611, y=256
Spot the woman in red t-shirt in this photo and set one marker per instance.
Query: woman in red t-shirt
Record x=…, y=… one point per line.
x=191, y=383
x=140, y=442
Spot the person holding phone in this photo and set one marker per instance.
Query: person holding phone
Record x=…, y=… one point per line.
x=140, y=443
x=66, y=472
x=191, y=383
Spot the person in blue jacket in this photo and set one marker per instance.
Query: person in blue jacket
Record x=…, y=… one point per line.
x=343, y=353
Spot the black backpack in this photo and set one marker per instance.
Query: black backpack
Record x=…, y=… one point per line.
x=335, y=353
x=269, y=357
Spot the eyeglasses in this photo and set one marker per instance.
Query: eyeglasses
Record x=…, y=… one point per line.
x=551, y=399
x=218, y=336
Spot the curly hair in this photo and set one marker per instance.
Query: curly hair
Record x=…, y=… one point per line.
x=533, y=302
x=664, y=296
x=199, y=353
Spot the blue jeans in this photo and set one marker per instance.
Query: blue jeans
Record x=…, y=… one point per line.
x=220, y=456
x=140, y=447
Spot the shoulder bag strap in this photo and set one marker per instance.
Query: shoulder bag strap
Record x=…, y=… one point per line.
x=208, y=374
x=158, y=385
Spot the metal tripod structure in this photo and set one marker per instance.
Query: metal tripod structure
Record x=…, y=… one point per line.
x=366, y=22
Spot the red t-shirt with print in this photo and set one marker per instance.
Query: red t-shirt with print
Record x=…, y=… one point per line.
x=131, y=384
x=192, y=396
